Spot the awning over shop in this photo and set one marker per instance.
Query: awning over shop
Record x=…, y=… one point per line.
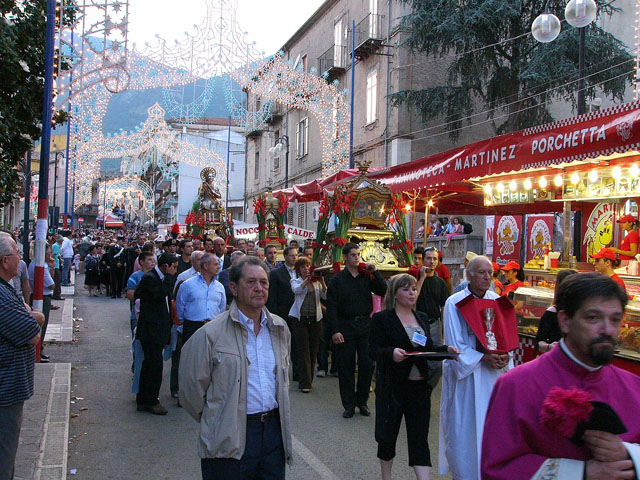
x=312, y=191
x=611, y=132
x=112, y=222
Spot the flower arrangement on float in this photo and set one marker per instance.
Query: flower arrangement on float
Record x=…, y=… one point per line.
x=279, y=215
x=402, y=245
x=343, y=203
x=260, y=211
x=195, y=224
x=319, y=243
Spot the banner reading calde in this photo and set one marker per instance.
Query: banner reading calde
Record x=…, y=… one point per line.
x=609, y=131
x=506, y=239
x=540, y=233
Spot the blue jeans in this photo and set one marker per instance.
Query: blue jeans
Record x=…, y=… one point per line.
x=66, y=271
x=263, y=457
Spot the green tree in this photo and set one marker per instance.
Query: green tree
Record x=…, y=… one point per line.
x=22, y=45
x=510, y=83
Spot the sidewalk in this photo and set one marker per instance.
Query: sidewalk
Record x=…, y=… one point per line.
x=60, y=328
x=44, y=438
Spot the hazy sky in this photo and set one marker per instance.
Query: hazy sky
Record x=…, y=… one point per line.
x=270, y=23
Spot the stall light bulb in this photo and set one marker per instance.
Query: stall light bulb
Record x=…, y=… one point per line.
x=430, y=203
x=500, y=187
x=634, y=170
x=543, y=182
x=407, y=207
x=513, y=186
x=575, y=178
x=487, y=189
x=593, y=176
x=617, y=173
x=527, y=184
x=558, y=180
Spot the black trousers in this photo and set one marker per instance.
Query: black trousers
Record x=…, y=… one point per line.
x=263, y=457
x=175, y=364
x=57, y=278
x=307, y=333
x=117, y=277
x=412, y=399
x=189, y=328
x=150, y=374
x=356, y=342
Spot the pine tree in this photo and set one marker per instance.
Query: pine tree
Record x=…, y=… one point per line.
x=497, y=71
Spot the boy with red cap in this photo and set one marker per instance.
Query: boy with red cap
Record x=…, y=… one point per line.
x=514, y=276
x=604, y=262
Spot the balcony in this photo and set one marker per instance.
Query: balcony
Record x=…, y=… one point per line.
x=368, y=35
x=333, y=62
x=277, y=112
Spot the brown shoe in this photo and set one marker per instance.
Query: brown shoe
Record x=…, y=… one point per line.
x=156, y=409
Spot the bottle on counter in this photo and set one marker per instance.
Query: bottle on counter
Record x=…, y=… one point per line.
x=573, y=263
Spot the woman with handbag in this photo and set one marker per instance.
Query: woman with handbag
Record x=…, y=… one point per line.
x=306, y=319
x=401, y=378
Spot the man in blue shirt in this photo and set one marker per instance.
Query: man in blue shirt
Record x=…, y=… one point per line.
x=201, y=298
x=20, y=333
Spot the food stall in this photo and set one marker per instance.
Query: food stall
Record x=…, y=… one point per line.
x=557, y=187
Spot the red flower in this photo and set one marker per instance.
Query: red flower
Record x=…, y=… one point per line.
x=563, y=410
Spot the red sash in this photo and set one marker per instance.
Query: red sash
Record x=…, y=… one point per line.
x=504, y=326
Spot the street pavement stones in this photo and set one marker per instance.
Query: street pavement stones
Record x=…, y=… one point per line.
x=110, y=439
x=42, y=452
x=70, y=291
x=60, y=327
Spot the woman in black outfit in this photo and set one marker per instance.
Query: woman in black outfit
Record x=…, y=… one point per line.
x=401, y=380
x=548, y=330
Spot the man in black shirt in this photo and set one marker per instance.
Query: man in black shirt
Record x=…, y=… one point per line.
x=432, y=295
x=184, y=260
x=349, y=307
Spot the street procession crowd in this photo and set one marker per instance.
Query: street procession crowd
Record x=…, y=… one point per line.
x=237, y=326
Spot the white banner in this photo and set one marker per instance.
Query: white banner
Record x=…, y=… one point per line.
x=251, y=231
x=488, y=236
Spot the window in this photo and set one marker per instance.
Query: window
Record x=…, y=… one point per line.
x=338, y=42
x=373, y=19
x=302, y=209
x=302, y=138
x=256, y=173
x=233, y=167
x=304, y=63
x=372, y=94
x=276, y=160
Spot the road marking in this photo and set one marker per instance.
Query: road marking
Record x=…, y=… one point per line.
x=313, y=461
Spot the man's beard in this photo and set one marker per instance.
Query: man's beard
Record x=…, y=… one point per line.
x=601, y=354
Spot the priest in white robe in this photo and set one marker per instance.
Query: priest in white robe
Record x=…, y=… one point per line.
x=467, y=382
x=519, y=443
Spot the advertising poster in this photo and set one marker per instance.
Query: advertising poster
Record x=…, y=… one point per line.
x=488, y=235
x=540, y=230
x=598, y=228
x=506, y=239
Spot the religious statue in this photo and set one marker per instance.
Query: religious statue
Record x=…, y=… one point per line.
x=208, y=193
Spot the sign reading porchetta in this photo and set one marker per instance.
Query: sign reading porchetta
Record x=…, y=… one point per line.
x=592, y=135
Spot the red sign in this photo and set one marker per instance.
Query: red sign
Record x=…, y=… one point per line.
x=597, y=229
x=539, y=235
x=80, y=220
x=608, y=131
x=506, y=238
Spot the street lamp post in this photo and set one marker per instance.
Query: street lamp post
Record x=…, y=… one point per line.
x=276, y=152
x=578, y=13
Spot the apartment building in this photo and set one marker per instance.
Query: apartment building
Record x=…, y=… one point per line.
x=384, y=135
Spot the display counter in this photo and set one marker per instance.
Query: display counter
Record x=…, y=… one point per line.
x=532, y=301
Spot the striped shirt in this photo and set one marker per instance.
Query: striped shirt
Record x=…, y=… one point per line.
x=17, y=357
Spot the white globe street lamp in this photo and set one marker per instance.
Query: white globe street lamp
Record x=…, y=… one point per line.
x=546, y=28
x=580, y=13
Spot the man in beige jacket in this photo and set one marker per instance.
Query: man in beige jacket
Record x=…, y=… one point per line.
x=234, y=380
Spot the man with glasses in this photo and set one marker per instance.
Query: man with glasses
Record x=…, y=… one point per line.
x=20, y=334
x=432, y=295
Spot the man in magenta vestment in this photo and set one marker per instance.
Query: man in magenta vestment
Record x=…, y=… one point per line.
x=516, y=445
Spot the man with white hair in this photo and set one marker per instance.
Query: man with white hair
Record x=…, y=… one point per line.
x=467, y=382
x=191, y=272
x=20, y=333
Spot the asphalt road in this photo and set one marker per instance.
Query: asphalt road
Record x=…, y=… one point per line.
x=109, y=439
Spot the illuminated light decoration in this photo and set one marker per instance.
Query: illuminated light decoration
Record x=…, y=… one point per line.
x=189, y=113
x=407, y=207
x=487, y=189
x=513, y=186
x=153, y=143
x=634, y=170
x=616, y=173
x=636, y=88
x=430, y=203
x=543, y=183
x=558, y=180
x=593, y=176
x=251, y=121
x=124, y=190
x=278, y=80
x=575, y=178
x=527, y=184
x=500, y=187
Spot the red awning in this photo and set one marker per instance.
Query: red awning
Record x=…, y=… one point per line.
x=112, y=222
x=611, y=131
x=312, y=191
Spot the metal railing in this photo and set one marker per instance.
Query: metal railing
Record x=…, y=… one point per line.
x=369, y=28
x=335, y=57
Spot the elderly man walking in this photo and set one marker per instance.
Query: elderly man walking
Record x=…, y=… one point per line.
x=19, y=333
x=234, y=381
